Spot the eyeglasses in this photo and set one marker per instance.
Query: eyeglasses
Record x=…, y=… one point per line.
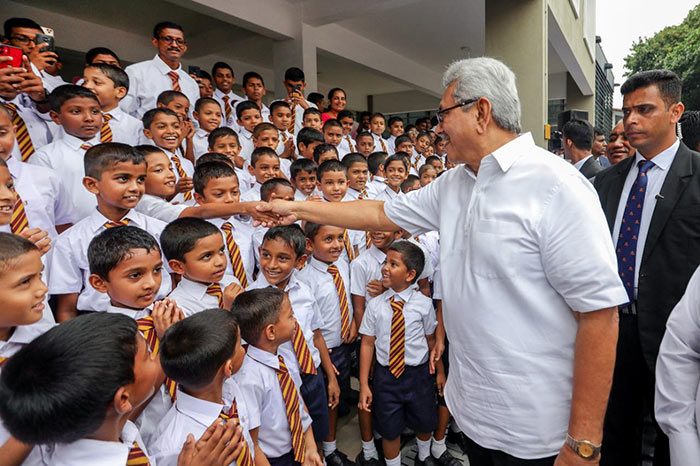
x=21, y=39
x=169, y=40
x=442, y=111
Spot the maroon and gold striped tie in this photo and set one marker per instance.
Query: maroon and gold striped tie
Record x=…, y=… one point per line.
x=148, y=330
x=381, y=141
x=291, y=401
x=106, y=131
x=342, y=300
x=175, y=78
x=215, y=290
x=301, y=349
x=3, y=360
x=294, y=119
x=227, y=107
x=120, y=223
x=24, y=140
x=181, y=173
x=368, y=239
x=245, y=458
x=85, y=146
x=352, y=148
x=19, y=221
x=136, y=456
x=348, y=246
x=397, y=343
x=234, y=253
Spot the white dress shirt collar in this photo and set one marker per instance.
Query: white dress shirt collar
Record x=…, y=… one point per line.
x=508, y=153
x=581, y=162
x=116, y=113
x=319, y=265
x=86, y=451
x=377, y=254
x=133, y=313
x=663, y=159
x=264, y=357
x=192, y=288
x=74, y=143
x=202, y=411
x=97, y=220
x=404, y=295
x=24, y=334
x=292, y=284
x=164, y=68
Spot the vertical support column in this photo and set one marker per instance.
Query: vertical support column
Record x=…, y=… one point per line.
x=516, y=33
x=299, y=52
x=575, y=100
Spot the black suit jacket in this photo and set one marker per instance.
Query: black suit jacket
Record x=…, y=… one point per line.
x=591, y=168
x=672, y=248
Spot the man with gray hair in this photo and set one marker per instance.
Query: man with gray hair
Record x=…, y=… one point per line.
x=531, y=320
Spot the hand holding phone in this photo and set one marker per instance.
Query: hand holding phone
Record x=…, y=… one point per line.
x=44, y=54
x=14, y=54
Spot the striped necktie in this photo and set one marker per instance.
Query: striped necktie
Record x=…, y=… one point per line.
x=106, y=131
x=294, y=119
x=342, y=301
x=24, y=140
x=368, y=239
x=85, y=146
x=147, y=328
x=363, y=194
x=3, y=360
x=215, y=290
x=18, y=221
x=245, y=458
x=283, y=135
x=352, y=148
x=291, y=401
x=381, y=141
x=175, y=78
x=397, y=343
x=120, y=223
x=227, y=108
x=181, y=174
x=136, y=456
x=348, y=246
x=301, y=349
x=234, y=254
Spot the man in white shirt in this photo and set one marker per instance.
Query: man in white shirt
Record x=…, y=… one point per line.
x=164, y=72
x=222, y=73
x=577, y=139
x=511, y=277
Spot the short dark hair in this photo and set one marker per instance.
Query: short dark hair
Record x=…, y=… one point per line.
x=411, y=254
x=409, y=182
x=308, y=135
x=246, y=105
x=214, y=157
x=302, y=164
x=260, y=152
x=279, y=103
x=323, y=148
x=364, y=134
x=315, y=98
x=270, y=185
x=220, y=133
x=193, y=350
x=292, y=235
x=114, y=245
x=201, y=74
x=264, y=126
x=345, y=114
x=115, y=74
x=256, y=309
x=12, y=247
x=432, y=158
x=158, y=28
x=65, y=92
x=294, y=74
x=147, y=149
x=401, y=139
x=400, y=156
x=95, y=51
x=378, y=115
x=690, y=128
x=180, y=236
x=12, y=23
x=395, y=119
x=333, y=91
x=165, y=97
x=221, y=65
x=203, y=101
x=669, y=84
x=207, y=171
x=580, y=132
x=353, y=158
x=332, y=123
x=311, y=229
x=103, y=157
x=57, y=389
x=312, y=111
x=597, y=131
x=150, y=115
x=330, y=166
x=252, y=75
x=376, y=160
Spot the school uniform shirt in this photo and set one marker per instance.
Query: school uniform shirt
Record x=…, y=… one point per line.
x=158, y=208
x=430, y=242
x=188, y=168
x=391, y=144
x=242, y=231
x=354, y=195
x=133, y=313
x=148, y=79
x=264, y=112
x=299, y=196
x=190, y=415
x=316, y=276
x=69, y=266
x=36, y=124
x=125, y=128
x=233, y=100
x=387, y=194
x=283, y=135
x=65, y=156
x=200, y=143
x=298, y=113
x=286, y=167
x=380, y=143
x=305, y=310
x=347, y=146
x=419, y=320
x=253, y=193
x=377, y=184
x=258, y=381
x=417, y=161
x=99, y=452
x=192, y=296
x=245, y=138
x=53, y=81
x=245, y=179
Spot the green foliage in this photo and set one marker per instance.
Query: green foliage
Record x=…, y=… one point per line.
x=675, y=48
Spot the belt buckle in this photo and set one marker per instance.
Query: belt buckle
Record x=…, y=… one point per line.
x=629, y=309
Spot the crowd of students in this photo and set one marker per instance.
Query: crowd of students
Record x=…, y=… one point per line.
x=128, y=215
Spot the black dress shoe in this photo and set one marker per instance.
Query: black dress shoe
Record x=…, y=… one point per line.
x=446, y=459
x=429, y=461
x=338, y=458
x=361, y=461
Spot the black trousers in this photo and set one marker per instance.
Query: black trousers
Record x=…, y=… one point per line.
x=480, y=456
x=631, y=399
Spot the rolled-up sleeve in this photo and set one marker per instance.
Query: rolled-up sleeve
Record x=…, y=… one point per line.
x=418, y=211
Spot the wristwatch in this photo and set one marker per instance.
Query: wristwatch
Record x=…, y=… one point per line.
x=583, y=448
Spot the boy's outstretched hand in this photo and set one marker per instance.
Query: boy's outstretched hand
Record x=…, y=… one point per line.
x=219, y=445
x=165, y=313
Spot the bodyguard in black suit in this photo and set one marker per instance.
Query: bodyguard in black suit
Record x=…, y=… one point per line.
x=577, y=139
x=652, y=203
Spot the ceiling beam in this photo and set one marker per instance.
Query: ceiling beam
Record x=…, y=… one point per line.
x=321, y=12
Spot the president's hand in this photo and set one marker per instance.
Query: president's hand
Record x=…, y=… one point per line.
x=282, y=209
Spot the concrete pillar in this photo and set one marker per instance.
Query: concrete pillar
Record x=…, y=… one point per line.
x=575, y=100
x=516, y=33
x=300, y=52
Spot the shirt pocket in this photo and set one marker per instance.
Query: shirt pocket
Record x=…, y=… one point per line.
x=492, y=249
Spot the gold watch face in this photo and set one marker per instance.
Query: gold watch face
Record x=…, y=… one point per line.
x=585, y=450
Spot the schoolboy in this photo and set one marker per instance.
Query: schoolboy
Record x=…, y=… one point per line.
x=411, y=183
x=224, y=79
x=423, y=143
x=102, y=55
x=217, y=185
x=396, y=170
x=195, y=250
x=329, y=280
x=248, y=116
x=396, y=130
x=115, y=174
x=254, y=90
x=441, y=144
x=324, y=152
x=303, y=178
x=282, y=251
x=281, y=117
x=225, y=141
x=358, y=173
x=77, y=111
x=375, y=163
x=403, y=143
x=400, y=324
x=312, y=119
x=307, y=140
x=264, y=165
x=427, y=174
x=207, y=113
x=347, y=145
x=23, y=294
x=275, y=188
x=110, y=84
x=294, y=83
x=270, y=380
x=436, y=162
x=205, y=83
x=180, y=104
x=266, y=135
x=201, y=353
x=365, y=143
x=377, y=125
x=163, y=127
x=333, y=132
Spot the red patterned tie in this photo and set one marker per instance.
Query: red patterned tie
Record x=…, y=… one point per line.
x=148, y=330
x=245, y=458
x=24, y=140
x=215, y=290
x=342, y=300
x=175, y=78
x=234, y=254
x=181, y=173
x=291, y=401
x=397, y=343
x=106, y=131
x=120, y=223
x=18, y=221
x=136, y=456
